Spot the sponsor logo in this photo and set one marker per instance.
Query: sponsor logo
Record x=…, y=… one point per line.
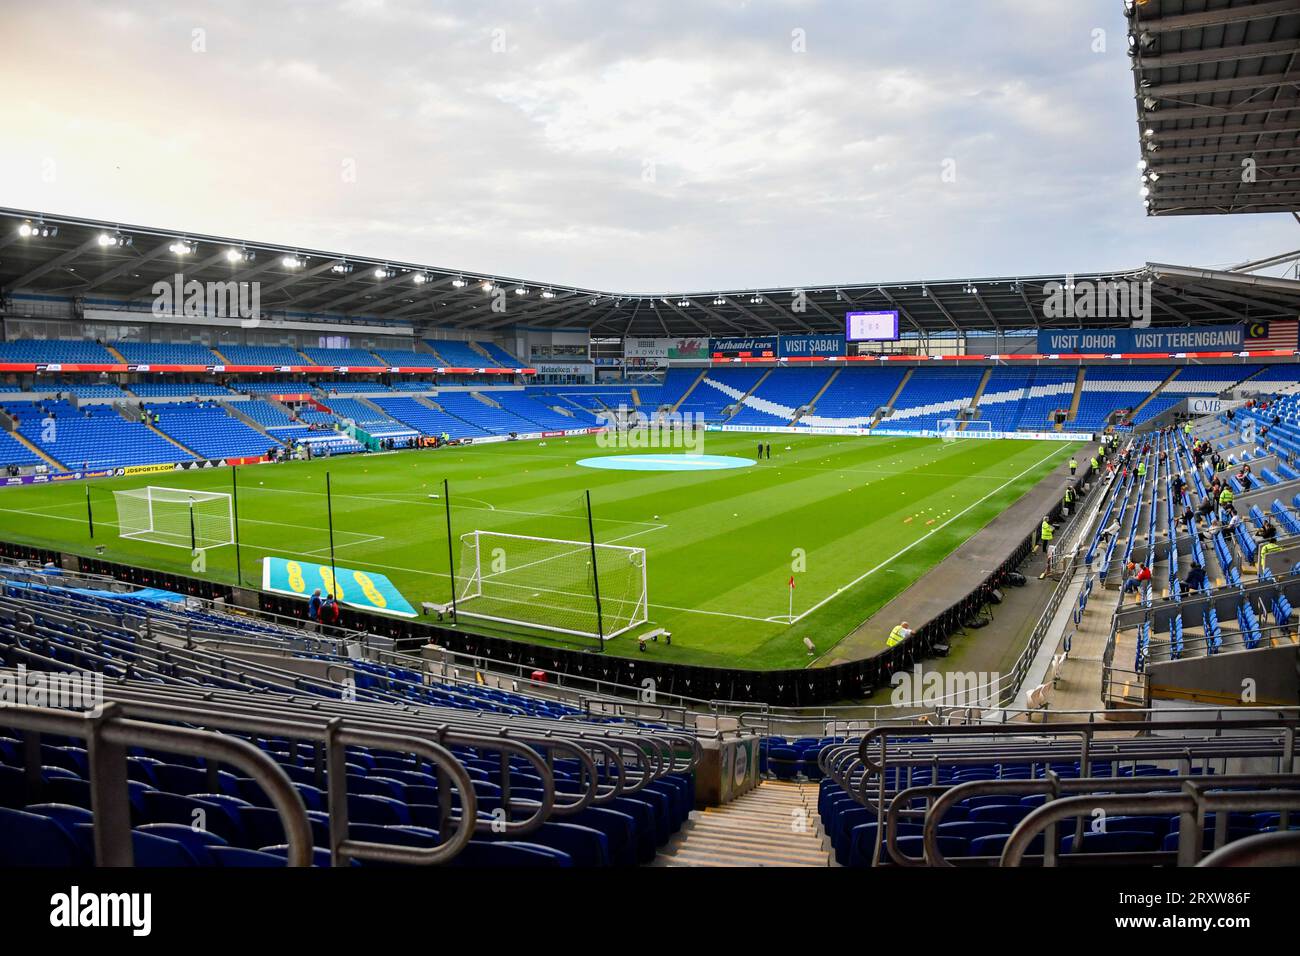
x=147, y=469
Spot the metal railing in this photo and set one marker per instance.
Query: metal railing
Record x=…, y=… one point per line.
x=1191, y=805
x=108, y=735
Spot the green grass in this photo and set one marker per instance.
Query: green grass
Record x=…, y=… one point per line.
x=870, y=516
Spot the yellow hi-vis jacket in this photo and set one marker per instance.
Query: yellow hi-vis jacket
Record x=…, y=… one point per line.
x=1046, y=531
x=1226, y=496
x=895, y=636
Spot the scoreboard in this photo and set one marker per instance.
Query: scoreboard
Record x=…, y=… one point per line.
x=871, y=326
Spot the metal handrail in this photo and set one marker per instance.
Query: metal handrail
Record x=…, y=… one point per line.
x=1191, y=805
x=109, y=734
x=1052, y=785
x=611, y=744
x=1262, y=849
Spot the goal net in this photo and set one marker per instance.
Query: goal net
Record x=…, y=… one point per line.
x=178, y=517
x=950, y=429
x=550, y=583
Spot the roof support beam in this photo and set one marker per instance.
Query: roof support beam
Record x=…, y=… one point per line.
x=51, y=264
x=1216, y=54
x=1210, y=18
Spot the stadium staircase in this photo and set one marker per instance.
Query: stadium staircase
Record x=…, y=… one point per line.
x=811, y=406
x=232, y=408
x=489, y=361
x=776, y=824
x=740, y=402
x=217, y=353
x=117, y=356
x=162, y=434
x=889, y=408
x=26, y=443
x=704, y=373
x=1150, y=398
x=979, y=393
x=1078, y=397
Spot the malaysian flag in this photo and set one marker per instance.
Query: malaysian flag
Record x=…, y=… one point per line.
x=1269, y=336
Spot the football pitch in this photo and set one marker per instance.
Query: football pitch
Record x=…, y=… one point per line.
x=854, y=521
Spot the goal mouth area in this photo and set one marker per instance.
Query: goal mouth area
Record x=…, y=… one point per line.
x=175, y=517
x=172, y=540
x=548, y=584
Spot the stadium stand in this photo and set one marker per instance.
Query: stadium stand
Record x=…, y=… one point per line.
x=178, y=390
x=499, y=355
x=271, y=386
x=933, y=395
x=409, y=359
x=490, y=418
x=14, y=452
x=369, y=419
x=575, y=792
x=528, y=408
x=209, y=430
x=341, y=357
x=89, y=390
x=853, y=398
x=459, y=354
x=165, y=353
x=1050, y=390
x=55, y=351
x=717, y=391
x=1109, y=390
x=428, y=420
x=93, y=437
x=1002, y=403
x=780, y=396
x=262, y=355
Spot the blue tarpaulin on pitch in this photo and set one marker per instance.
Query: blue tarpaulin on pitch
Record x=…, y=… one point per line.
x=366, y=590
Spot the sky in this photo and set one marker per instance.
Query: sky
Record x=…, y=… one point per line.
x=635, y=147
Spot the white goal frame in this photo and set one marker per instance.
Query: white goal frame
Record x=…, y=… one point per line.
x=468, y=582
x=148, y=530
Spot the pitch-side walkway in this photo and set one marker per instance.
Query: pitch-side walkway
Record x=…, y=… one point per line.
x=962, y=572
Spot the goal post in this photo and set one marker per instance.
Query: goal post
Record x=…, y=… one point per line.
x=550, y=584
x=177, y=517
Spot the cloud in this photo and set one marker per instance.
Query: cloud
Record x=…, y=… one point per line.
x=685, y=144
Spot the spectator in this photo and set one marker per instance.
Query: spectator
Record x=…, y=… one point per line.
x=329, y=613
x=1141, y=577
x=1195, y=577
x=313, y=606
x=1110, y=531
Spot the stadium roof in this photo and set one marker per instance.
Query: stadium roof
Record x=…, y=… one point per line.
x=1217, y=85
x=89, y=260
